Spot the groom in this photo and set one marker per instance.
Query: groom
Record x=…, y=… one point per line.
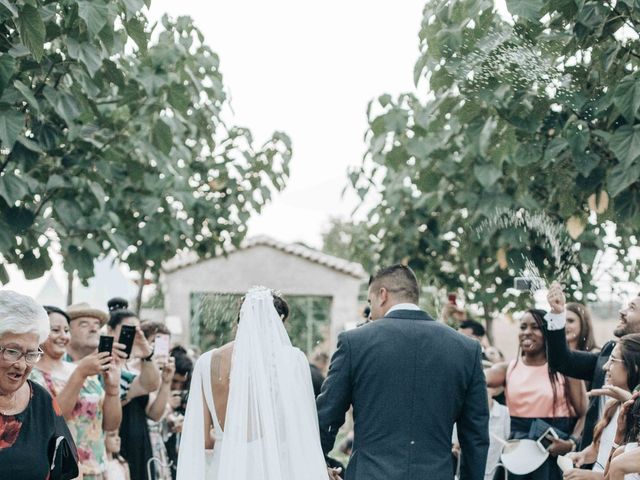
x=409, y=379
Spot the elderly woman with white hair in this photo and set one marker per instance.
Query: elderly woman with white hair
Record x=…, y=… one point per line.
x=35, y=442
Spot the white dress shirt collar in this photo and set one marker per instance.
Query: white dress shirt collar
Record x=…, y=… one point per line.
x=403, y=306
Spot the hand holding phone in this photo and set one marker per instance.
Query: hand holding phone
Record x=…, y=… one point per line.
x=161, y=345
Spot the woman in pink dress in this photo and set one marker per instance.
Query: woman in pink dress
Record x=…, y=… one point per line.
x=534, y=391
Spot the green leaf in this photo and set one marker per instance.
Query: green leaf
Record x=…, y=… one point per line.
x=67, y=211
x=95, y=14
x=7, y=67
x=625, y=143
x=98, y=192
x=32, y=31
x=12, y=188
x=29, y=144
x=487, y=175
x=627, y=97
x=34, y=267
x=179, y=98
x=88, y=54
x=9, y=5
x=591, y=15
x=27, y=94
x=11, y=124
x=529, y=9
x=55, y=181
x=484, y=140
x=161, y=137
x=135, y=29
x=621, y=176
x=586, y=162
x=63, y=103
x=132, y=7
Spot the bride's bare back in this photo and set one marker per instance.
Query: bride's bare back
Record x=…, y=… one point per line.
x=220, y=380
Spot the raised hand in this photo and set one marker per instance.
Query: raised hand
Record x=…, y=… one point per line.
x=112, y=379
x=556, y=298
x=119, y=353
x=94, y=364
x=140, y=344
x=622, y=418
x=168, y=370
x=612, y=391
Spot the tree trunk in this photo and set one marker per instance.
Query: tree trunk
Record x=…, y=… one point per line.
x=140, y=289
x=69, y=288
x=488, y=321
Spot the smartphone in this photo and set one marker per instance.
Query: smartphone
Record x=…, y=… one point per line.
x=522, y=283
x=127, y=335
x=161, y=345
x=546, y=439
x=106, y=344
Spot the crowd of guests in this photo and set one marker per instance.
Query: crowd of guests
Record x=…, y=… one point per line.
x=561, y=380
x=114, y=415
x=94, y=415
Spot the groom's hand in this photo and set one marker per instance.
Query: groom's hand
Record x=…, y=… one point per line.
x=334, y=473
x=556, y=298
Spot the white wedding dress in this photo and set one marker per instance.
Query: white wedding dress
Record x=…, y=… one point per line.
x=271, y=427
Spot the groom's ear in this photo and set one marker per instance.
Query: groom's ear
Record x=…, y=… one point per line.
x=383, y=295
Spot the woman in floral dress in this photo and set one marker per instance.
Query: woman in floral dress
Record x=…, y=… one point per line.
x=90, y=405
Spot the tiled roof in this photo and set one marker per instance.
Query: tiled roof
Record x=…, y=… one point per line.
x=350, y=268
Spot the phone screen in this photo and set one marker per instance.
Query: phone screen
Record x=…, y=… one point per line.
x=161, y=345
x=106, y=344
x=127, y=335
x=546, y=441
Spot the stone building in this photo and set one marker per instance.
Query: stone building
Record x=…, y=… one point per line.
x=197, y=292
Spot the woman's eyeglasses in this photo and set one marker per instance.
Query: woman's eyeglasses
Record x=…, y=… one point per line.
x=12, y=355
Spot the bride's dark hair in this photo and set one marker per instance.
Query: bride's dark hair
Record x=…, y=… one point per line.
x=281, y=305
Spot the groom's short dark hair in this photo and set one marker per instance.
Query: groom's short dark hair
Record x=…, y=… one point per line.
x=398, y=279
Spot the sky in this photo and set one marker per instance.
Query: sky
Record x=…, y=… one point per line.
x=308, y=69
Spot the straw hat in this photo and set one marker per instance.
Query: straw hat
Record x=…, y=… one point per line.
x=78, y=310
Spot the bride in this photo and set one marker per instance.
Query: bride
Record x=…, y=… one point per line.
x=251, y=413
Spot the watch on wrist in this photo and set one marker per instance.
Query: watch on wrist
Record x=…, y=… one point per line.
x=149, y=358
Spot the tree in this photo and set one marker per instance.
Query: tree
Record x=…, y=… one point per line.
x=110, y=150
x=351, y=241
x=529, y=113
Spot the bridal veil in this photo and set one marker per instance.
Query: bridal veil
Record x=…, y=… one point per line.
x=271, y=426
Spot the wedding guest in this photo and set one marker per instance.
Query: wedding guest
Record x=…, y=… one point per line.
x=535, y=392
x=90, y=404
x=177, y=403
x=579, y=328
x=138, y=379
x=117, y=467
x=584, y=365
x=30, y=420
x=624, y=462
x=472, y=329
x=622, y=376
x=318, y=366
x=158, y=406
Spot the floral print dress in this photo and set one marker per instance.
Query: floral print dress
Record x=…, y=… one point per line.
x=85, y=422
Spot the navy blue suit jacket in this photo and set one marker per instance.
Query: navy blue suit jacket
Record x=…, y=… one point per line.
x=409, y=379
